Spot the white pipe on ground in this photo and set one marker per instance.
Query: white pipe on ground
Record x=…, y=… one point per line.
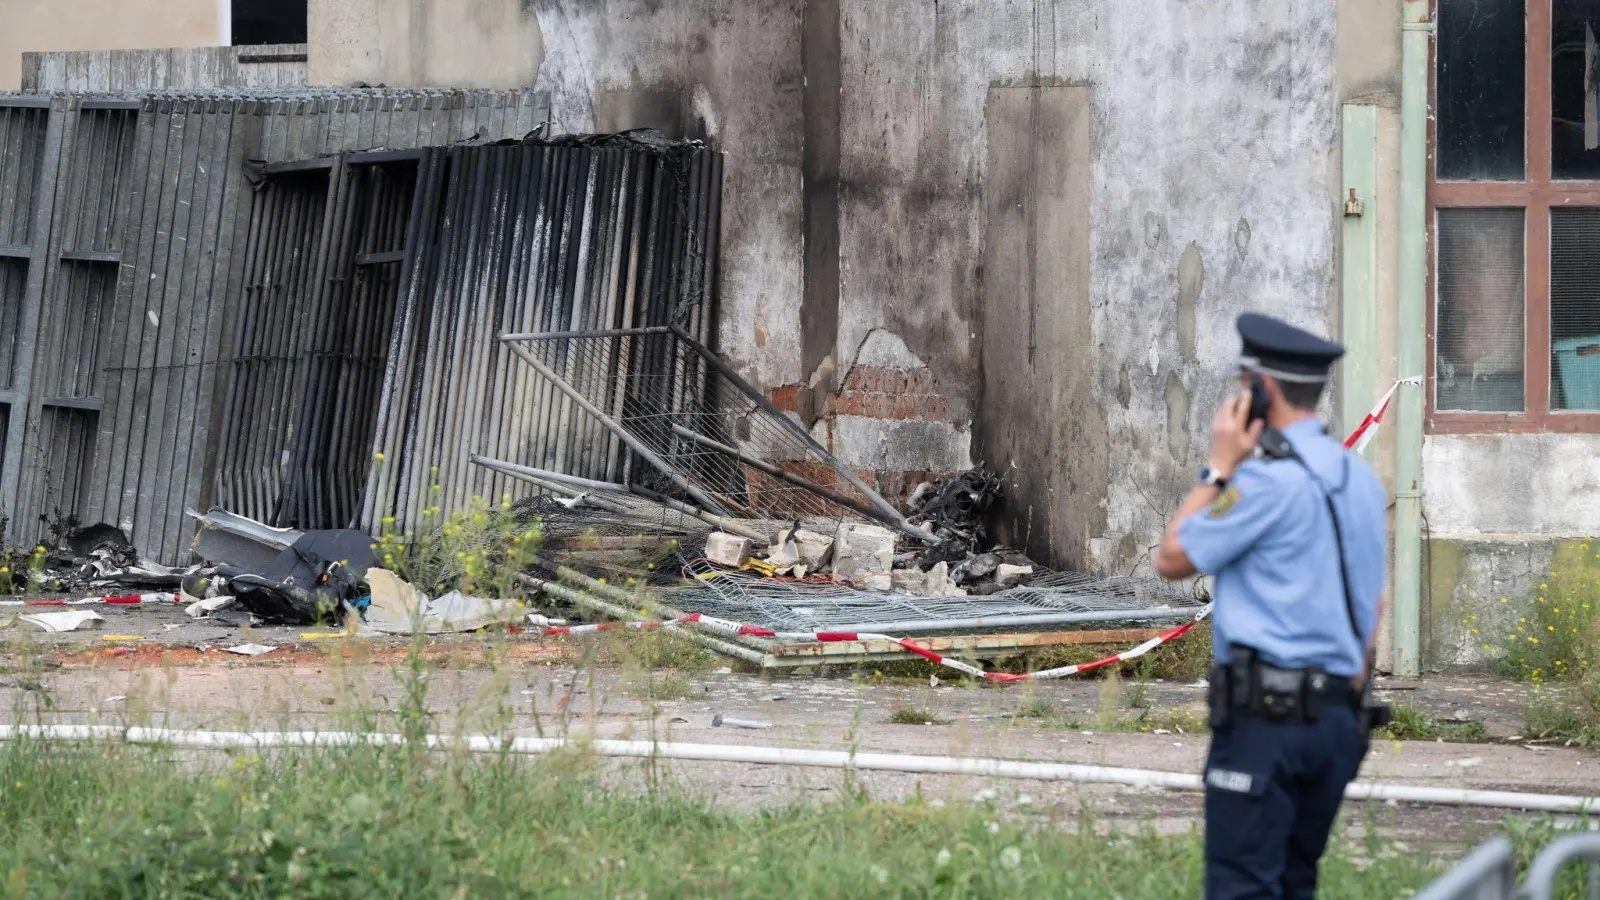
x=784, y=756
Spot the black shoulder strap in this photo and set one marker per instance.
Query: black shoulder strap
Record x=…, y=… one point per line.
x=1288, y=452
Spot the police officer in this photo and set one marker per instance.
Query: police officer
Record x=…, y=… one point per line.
x=1291, y=525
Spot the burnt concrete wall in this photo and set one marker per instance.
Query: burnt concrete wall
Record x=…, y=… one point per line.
x=1037, y=219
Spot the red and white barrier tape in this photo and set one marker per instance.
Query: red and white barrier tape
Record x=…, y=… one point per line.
x=1368, y=428
x=736, y=629
x=114, y=600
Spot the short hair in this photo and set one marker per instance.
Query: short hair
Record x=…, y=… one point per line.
x=1301, y=394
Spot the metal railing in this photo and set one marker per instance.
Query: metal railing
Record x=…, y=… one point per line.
x=1490, y=871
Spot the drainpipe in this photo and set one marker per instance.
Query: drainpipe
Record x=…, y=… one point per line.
x=1416, y=32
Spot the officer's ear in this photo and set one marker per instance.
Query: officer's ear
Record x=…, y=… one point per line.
x=1274, y=389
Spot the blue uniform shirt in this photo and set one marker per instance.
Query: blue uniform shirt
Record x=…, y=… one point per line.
x=1270, y=543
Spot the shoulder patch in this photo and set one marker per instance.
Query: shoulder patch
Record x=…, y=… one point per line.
x=1224, y=503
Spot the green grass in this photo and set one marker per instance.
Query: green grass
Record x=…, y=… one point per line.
x=95, y=821
x=1409, y=724
x=911, y=715
x=1576, y=722
x=662, y=686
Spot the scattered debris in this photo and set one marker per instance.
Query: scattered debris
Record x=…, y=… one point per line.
x=233, y=540
x=1008, y=575
x=800, y=551
x=719, y=720
x=727, y=549
x=863, y=555
x=72, y=620
x=954, y=509
x=399, y=608
x=308, y=582
x=201, y=609
x=250, y=649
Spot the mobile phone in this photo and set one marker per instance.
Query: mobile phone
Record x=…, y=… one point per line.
x=1260, y=400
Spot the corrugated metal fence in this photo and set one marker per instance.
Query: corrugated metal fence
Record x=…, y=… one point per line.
x=124, y=227
x=369, y=368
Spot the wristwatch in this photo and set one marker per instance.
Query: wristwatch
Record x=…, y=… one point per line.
x=1211, y=476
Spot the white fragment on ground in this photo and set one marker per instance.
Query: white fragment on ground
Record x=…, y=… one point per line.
x=250, y=649
x=398, y=608
x=65, y=621
x=202, y=608
x=1467, y=763
x=1008, y=575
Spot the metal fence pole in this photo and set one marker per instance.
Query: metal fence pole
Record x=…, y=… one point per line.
x=1487, y=873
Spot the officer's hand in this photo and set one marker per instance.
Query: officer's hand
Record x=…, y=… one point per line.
x=1233, y=438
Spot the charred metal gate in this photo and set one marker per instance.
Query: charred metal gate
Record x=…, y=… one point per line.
x=368, y=368
x=123, y=229
x=321, y=279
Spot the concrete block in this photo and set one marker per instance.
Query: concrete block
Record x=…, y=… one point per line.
x=816, y=549
x=1009, y=575
x=797, y=551
x=913, y=582
x=727, y=549
x=862, y=550
x=940, y=584
x=877, y=581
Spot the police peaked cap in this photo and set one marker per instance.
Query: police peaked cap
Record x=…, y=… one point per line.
x=1276, y=348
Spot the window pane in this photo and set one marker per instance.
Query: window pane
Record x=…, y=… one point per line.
x=1575, y=309
x=1479, y=327
x=1574, y=93
x=1482, y=74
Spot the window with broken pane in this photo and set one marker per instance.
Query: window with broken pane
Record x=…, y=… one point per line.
x=1482, y=61
x=1575, y=309
x=1479, y=333
x=1575, y=90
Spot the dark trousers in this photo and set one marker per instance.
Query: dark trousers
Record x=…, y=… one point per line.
x=1272, y=791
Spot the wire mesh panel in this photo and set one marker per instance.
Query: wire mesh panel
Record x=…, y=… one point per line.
x=1575, y=309
x=1479, y=366
x=1056, y=598
x=666, y=415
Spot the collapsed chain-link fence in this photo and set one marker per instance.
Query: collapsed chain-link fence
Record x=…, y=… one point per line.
x=1056, y=598
x=654, y=410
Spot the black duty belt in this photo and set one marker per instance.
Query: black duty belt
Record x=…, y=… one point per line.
x=1247, y=685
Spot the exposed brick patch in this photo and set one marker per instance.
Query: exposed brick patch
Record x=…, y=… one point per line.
x=877, y=392
x=786, y=398
x=872, y=392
